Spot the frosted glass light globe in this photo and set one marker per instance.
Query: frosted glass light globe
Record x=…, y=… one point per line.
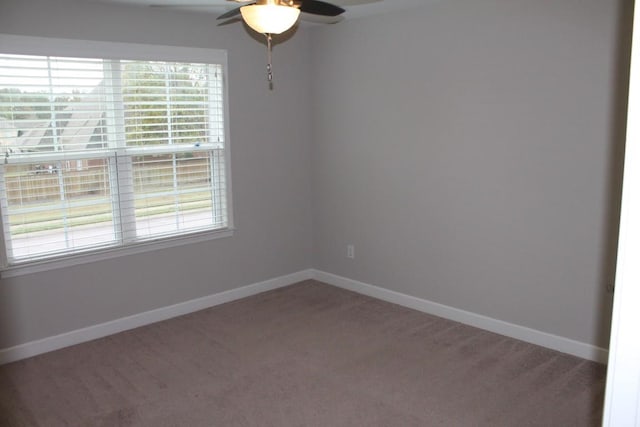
x=269, y=18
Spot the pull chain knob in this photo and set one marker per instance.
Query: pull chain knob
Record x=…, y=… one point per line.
x=269, y=67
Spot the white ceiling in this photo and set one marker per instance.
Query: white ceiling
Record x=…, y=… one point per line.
x=354, y=8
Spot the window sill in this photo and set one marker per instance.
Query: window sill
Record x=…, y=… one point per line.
x=93, y=256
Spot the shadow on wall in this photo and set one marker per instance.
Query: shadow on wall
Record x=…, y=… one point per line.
x=616, y=162
x=10, y=306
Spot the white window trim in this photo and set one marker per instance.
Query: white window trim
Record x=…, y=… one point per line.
x=27, y=45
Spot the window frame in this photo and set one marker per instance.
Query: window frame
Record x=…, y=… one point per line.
x=27, y=45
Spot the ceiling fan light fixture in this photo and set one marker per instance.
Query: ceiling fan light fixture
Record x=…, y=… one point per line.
x=269, y=18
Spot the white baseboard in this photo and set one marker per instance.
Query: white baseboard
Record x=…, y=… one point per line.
x=78, y=336
x=554, y=342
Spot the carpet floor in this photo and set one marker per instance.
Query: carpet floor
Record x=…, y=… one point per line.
x=305, y=355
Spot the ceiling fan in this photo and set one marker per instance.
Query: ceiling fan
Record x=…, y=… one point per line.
x=277, y=16
x=270, y=17
x=252, y=13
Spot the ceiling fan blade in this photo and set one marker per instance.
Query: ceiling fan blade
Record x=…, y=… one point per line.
x=230, y=21
x=317, y=7
x=177, y=6
x=231, y=13
x=357, y=2
x=204, y=3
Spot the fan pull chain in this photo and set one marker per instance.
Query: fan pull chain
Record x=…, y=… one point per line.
x=269, y=68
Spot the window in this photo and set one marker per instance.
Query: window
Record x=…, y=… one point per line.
x=104, y=153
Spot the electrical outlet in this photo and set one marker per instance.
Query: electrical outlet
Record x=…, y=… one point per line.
x=351, y=251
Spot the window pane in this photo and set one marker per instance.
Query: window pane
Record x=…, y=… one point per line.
x=171, y=103
x=175, y=192
x=62, y=206
x=51, y=104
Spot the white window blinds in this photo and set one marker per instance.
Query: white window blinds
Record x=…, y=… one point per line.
x=104, y=153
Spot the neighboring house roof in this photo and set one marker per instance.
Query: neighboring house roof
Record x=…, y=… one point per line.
x=8, y=132
x=79, y=126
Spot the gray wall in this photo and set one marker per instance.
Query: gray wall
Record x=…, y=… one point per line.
x=471, y=151
x=270, y=152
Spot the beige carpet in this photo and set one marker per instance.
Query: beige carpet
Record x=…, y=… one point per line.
x=306, y=355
